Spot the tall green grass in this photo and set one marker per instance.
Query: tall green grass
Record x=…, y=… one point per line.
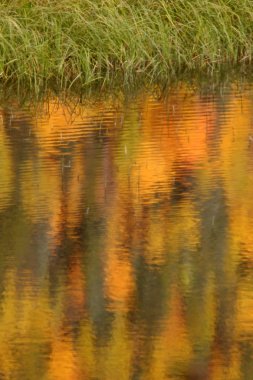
x=80, y=42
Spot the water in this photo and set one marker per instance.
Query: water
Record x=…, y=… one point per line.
x=126, y=244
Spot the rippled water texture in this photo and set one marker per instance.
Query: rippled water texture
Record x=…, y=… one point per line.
x=126, y=239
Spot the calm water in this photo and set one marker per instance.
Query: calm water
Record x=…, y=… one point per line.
x=126, y=239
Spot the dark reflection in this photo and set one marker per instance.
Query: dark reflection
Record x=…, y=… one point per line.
x=126, y=239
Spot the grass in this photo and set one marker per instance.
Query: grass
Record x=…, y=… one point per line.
x=81, y=42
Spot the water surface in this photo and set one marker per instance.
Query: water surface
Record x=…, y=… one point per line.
x=126, y=238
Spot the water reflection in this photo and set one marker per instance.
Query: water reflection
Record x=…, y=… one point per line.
x=125, y=239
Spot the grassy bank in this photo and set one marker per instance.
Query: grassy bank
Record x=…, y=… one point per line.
x=79, y=42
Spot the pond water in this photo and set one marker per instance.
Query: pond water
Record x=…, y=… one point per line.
x=126, y=238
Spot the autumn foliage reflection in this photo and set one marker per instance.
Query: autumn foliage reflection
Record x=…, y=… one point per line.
x=126, y=244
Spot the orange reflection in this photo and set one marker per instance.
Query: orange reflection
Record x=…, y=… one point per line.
x=130, y=250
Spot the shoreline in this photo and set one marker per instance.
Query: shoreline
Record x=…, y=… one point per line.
x=81, y=43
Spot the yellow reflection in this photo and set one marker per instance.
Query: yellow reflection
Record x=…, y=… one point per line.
x=136, y=240
x=62, y=362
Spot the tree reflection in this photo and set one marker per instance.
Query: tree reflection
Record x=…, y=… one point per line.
x=125, y=239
